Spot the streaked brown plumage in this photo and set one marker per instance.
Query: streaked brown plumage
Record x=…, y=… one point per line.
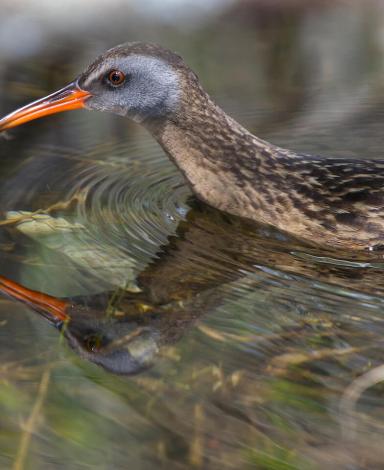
x=332, y=201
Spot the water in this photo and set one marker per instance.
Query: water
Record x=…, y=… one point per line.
x=251, y=349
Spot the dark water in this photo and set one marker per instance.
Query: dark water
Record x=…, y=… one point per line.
x=253, y=350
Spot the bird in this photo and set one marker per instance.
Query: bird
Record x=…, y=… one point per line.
x=327, y=201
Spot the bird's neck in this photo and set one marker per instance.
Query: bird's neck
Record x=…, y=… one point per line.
x=218, y=157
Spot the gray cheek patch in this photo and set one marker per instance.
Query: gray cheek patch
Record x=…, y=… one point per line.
x=106, y=102
x=153, y=89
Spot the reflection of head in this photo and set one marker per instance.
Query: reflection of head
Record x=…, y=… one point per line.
x=120, y=347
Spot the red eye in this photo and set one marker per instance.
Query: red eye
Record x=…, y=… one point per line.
x=116, y=77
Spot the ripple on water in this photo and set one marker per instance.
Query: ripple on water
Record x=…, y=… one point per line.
x=127, y=200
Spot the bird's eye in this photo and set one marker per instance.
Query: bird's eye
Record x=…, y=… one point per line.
x=93, y=343
x=116, y=77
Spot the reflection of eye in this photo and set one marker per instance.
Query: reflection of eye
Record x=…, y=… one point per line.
x=116, y=77
x=93, y=343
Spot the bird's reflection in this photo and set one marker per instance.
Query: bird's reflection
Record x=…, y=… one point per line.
x=125, y=331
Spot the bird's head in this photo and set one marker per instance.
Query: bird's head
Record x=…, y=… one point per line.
x=121, y=347
x=137, y=80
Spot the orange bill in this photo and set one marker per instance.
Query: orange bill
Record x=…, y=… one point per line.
x=55, y=308
x=66, y=99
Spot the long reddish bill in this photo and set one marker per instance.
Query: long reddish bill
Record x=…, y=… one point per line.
x=56, y=308
x=66, y=99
